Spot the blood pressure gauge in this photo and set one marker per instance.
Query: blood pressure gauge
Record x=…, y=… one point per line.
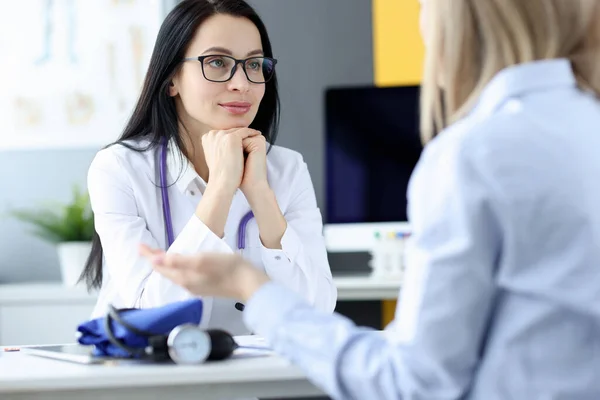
x=188, y=344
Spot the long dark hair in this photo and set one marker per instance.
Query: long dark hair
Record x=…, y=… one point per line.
x=155, y=117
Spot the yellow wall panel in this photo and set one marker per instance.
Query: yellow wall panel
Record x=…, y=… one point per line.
x=388, y=311
x=397, y=43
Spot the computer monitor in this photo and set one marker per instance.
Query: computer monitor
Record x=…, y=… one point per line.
x=372, y=147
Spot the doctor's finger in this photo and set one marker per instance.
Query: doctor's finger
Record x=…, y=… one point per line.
x=254, y=141
x=244, y=133
x=220, y=132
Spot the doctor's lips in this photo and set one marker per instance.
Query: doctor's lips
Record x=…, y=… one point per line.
x=237, y=107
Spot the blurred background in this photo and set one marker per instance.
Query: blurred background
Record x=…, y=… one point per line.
x=74, y=69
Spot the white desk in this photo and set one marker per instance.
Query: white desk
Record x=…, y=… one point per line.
x=26, y=377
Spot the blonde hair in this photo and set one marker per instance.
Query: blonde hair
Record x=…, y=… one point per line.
x=475, y=39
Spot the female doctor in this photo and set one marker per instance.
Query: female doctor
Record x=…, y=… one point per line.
x=501, y=298
x=196, y=171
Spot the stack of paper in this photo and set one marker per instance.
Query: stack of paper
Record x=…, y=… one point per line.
x=252, y=346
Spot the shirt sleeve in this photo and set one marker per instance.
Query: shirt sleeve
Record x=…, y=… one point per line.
x=301, y=264
x=121, y=230
x=432, y=349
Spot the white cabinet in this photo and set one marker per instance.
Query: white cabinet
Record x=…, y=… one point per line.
x=42, y=313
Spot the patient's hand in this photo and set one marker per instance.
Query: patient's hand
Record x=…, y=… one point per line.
x=208, y=274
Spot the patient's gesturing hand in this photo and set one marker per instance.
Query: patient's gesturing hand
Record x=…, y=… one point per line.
x=208, y=274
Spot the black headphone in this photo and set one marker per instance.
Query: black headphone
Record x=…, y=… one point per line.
x=186, y=344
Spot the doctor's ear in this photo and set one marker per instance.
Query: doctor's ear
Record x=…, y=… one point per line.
x=173, y=89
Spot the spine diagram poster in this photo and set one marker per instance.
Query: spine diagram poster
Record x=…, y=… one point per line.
x=72, y=69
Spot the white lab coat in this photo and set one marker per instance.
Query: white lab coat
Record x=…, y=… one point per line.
x=125, y=194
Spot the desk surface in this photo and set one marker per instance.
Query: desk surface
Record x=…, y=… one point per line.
x=25, y=376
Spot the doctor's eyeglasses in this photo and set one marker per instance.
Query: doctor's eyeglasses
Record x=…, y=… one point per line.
x=219, y=68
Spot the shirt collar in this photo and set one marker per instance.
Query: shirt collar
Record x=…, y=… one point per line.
x=517, y=80
x=181, y=170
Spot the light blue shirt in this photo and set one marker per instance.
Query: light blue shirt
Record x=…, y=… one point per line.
x=502, y=295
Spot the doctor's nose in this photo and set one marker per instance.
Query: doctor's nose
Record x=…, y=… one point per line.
x=239, y=81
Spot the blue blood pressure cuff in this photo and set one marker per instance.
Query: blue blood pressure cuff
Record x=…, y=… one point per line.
x=121, y=331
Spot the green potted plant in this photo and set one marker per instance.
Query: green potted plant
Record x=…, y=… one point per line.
x=69, y=226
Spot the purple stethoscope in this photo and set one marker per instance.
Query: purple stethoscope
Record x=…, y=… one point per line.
x=167, y=208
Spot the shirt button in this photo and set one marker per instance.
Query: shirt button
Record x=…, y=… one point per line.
x=278, y=258
x=191, y=193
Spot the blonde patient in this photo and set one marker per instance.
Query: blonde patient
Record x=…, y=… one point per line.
x=502, y=297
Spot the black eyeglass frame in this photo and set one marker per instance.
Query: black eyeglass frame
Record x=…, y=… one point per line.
x=243, y=62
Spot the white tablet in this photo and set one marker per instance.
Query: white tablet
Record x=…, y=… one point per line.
x=72, y=352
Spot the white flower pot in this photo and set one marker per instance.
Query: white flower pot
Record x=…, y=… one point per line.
x=72, y=257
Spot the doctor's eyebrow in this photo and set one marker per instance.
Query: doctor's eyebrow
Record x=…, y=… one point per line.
x=223, y=50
